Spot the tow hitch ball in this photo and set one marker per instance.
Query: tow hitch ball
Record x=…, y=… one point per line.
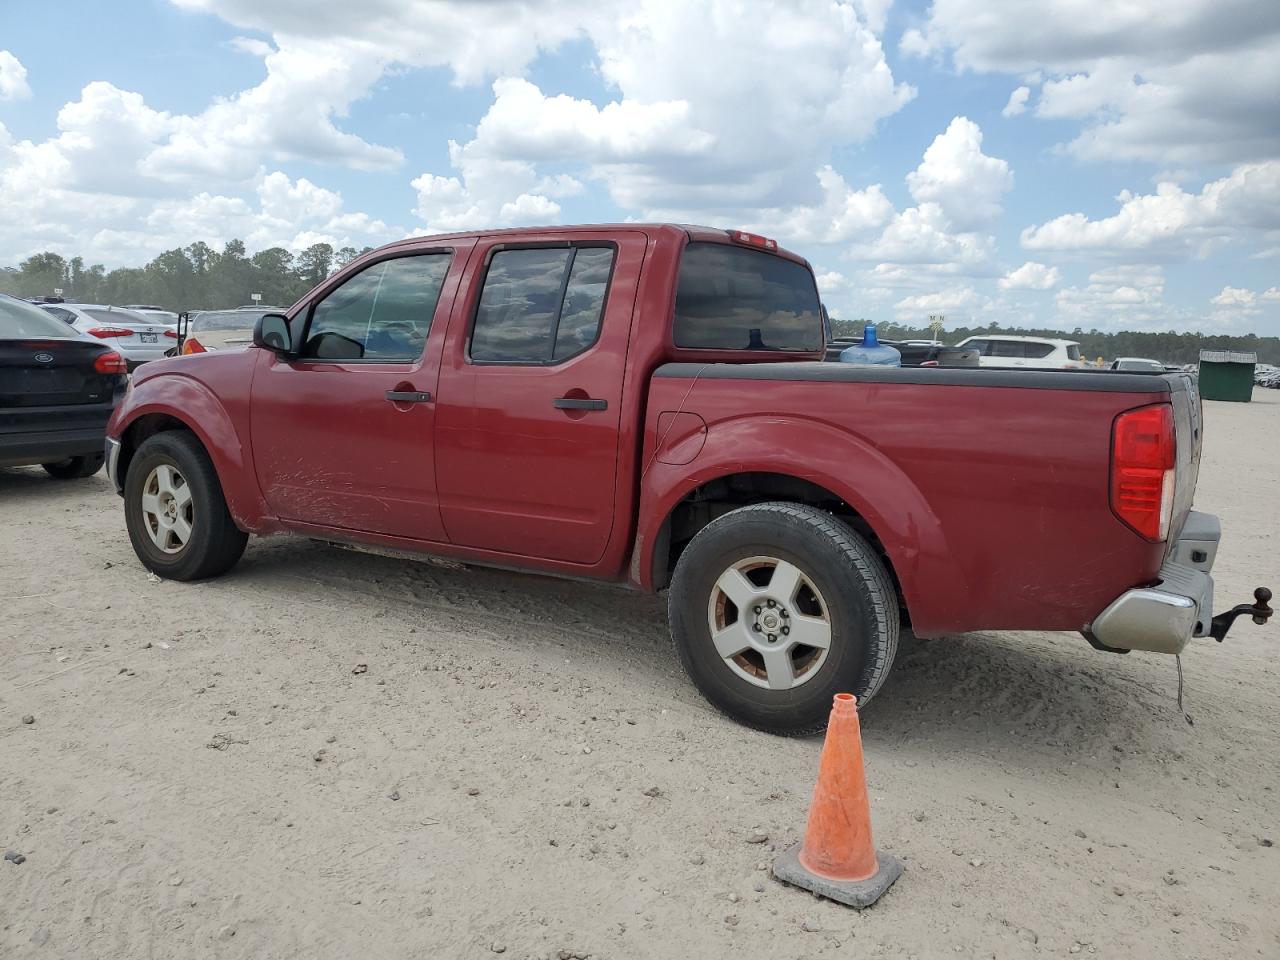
x=1259, y=610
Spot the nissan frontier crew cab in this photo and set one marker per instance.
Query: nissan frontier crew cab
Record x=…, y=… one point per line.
x=647, y=403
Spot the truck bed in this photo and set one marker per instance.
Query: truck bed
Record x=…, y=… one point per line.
x=989, y=492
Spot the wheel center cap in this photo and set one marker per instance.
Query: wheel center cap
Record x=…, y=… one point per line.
x=770, y=621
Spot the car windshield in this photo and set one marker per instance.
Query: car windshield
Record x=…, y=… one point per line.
x=19, y=320
x=1151, y=365
x=226, y=320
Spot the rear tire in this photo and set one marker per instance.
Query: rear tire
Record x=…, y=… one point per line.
x=800, y=575
x=176, y=514
x=74, y=468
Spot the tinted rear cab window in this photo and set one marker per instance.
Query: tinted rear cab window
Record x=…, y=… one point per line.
x=734, y=298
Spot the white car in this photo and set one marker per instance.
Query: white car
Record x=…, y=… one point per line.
x=223, y=329
x=1137, y=365
x=999, y=350
x=136, y=337
x=159, y=314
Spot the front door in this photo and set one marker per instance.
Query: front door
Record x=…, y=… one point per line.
x=342, y=432
x=530, y=396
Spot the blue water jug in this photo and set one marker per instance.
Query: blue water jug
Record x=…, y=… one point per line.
x=870, y=352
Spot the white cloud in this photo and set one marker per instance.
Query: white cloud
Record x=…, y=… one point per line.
x=1270, y=295
x=1171, y=222
x=842, y=215
x=1031, y=276
x=1235, y=297
x=676, y=141
x=1118, y=298
x=955, y=173
x=831, y=281
x=1017, y=102
x=956, y=299
x=1190, y=82
x=13, y=78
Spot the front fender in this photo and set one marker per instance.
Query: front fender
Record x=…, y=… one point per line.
x=847, y=465
x=189, y=401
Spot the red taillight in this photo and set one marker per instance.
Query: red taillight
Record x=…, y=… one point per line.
x=106, y=333
x=1143, y=448
x=171, y=334
x=110, y=362
x=753, y=240
x=192, y=345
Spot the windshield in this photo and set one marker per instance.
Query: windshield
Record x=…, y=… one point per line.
x=1151, y=365
x=19, y=320
x=733, y=298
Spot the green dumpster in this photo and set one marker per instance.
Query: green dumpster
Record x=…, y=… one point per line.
x=1226, y=375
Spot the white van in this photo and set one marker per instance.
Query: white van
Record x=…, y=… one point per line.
x=998, y=350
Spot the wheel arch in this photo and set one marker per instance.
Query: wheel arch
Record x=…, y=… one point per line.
x=715, y=497
x=802, y=460
x=181, y=403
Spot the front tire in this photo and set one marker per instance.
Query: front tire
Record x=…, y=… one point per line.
x=74, y=468
x=174, y=509
x=775, y=608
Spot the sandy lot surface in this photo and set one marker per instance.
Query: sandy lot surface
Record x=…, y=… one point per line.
x=207, y=777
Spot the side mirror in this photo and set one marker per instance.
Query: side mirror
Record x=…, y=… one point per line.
x=271, y=332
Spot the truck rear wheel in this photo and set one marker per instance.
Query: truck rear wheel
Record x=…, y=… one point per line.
x=177, y=517
x=776, y=607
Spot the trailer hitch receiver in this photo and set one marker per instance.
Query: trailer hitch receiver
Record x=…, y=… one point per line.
x=1259, y=610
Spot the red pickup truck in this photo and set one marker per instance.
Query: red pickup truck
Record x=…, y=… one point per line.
x=647, y=403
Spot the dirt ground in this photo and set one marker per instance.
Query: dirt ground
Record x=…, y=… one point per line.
x=207, y=775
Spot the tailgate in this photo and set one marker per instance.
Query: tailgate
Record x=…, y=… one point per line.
x=1184, y=394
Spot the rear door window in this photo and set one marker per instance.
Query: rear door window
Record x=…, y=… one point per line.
x=1010, y=349
x=733, y=298
x=541, y=305
x=1037, y=351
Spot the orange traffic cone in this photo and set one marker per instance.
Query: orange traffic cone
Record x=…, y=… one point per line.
x=837, y=859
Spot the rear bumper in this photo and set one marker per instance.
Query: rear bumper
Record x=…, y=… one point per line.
x=49, y=446
x=1163, y=618
x=30, y=435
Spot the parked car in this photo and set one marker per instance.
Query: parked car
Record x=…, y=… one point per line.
x=220, y=329
x=152, y=312
x=1137, y=365
x=134, y=335
x=57, y=390
x=642, y=403
x=915, y=353
x=1039, y=352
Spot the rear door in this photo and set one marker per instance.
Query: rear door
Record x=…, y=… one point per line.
x=530, y=395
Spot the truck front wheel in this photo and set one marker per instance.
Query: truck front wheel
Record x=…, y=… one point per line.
x=776, y=607
x=173, y=506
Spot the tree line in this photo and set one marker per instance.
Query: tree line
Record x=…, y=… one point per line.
x=1167, y=346
x=195, y=277
x=199, y=277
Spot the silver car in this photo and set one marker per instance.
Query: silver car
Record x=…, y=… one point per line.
x=223, y=329
x=136, y=337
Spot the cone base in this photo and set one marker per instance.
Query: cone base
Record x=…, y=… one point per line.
x=853, y=893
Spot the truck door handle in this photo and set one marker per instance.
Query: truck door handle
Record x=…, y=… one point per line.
x=579, y=403
x=408, y=396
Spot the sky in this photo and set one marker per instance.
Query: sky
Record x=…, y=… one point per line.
x=1064, y=163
